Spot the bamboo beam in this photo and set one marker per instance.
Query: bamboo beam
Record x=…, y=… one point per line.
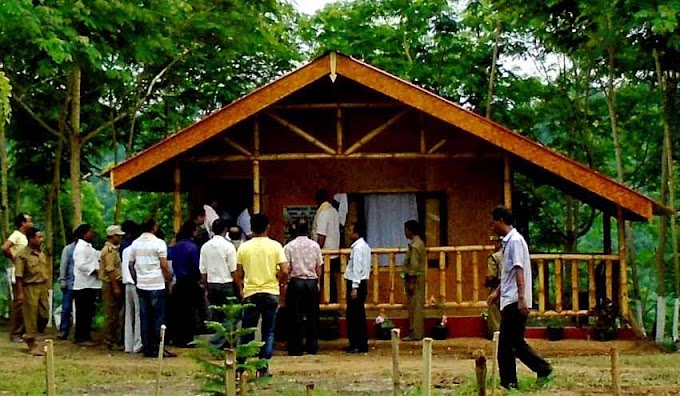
x=256, y=136
x=541, y=285
x=327, y=279
x=375, y=132
x=423, y=141
x=177, y=199
x=237, y=146
x=623, y=264
x=592, y=292
x=437, y=146
x=393, y=271
x=332, y=106
x=507, y=182
x=574, y=256
x=256, y=187
x=558, y=285
x=338, y=129
x=609, y=271
x=317, y=156
x=442, y=277
x=475, y=276
x=574, y=285
x=376, y=278
x=301, y=132
x=343, y=286
x=459, y=277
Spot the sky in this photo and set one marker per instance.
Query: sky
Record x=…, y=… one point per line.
x=310, y=6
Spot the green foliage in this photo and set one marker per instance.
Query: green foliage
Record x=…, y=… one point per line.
x=215, y=369
x=5, y=95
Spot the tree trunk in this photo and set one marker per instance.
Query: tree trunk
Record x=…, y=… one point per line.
x=661, y=247
x=4, y=175
x=75, y=148
x=52, y=195
x=492, y=76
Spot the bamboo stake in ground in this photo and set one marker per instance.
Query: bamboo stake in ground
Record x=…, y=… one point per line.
x=676, y=313
x=49, y=368
x=427, y=367
x=161, y=349
x=396, y=373
x=243, y=384
x=480, y=371
x=309, y=390
x=230, y=372
x=494, y=362
x=616, y=380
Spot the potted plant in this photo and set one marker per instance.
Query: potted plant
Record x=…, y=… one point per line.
x=606, y=326
x=554, y=330
x=384, y=327
x=440, y=331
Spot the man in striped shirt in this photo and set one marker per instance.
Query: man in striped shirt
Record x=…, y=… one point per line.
x=149, y=266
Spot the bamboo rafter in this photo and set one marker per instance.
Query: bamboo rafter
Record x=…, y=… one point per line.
x=237, y=146
x=437, y=146
x=375, y=132
x=301, y=132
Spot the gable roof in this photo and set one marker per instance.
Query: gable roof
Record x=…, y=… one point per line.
x=547, y=160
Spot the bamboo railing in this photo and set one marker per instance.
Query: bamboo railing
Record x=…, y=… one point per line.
x=456, y=274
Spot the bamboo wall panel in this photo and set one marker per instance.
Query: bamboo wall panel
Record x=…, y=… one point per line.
x=574, y=285
x=541, y=285
x=558, y=285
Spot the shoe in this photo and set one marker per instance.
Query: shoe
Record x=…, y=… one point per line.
x=16, y=339
x=408, y=339
x=86, y=344
x=35, y=351
x=264, y=373
x=168, y=354
x=63, y=337
x=512, y=385
x=544, y=379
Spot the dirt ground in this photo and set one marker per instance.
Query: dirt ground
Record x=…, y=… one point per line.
x=581, y=368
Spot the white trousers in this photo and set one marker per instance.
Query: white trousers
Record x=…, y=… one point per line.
x=133, y=332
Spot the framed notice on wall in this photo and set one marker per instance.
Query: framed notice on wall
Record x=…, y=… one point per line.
x=293, y=213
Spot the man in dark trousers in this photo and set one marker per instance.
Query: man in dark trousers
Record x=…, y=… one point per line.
x=515, y=297
x=356, y=278
x=415, y=268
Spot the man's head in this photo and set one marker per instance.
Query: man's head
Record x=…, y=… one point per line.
x=358, y=231
x=150, y=226
x=131, y=229
x=259, y=223
x=502, y=220
x=322, y=196
x=411, y=229
x=219, y=226
x=235, y=233
x=301, y=227
x=23, y=222
x=35, y=238
x=198, y=215
x=114, y=234
x=84, y=232
x=187, y=231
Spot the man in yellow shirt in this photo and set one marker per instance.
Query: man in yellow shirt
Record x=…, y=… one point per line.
x=262, y=266
x=16, y=242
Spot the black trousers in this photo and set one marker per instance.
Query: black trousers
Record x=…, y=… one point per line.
x=356, y=317
x=335, y=275
x=512, y=345
x=218, y=294
x=85, y=309
x=181, y=310
x=302, y=306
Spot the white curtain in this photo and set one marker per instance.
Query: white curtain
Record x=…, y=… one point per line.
x=385, y=218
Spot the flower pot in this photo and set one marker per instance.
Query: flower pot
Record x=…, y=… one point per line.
x=554, y=333
x=440, y=332
x=384, y=333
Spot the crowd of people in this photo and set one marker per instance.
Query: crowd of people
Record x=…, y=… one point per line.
x=144, y=283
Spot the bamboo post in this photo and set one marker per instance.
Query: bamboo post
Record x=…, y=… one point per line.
x=609, y=281
x=161, y=349
x=326, y=279
x=607, y=233
x=343, y=286
x=558, y=285
x=592, y=293
x=507, y=182
x=494, y=362
x=660, y=319
x=480, y=371
x=442, y=276
x=177, y=199
x=459, y=277
x=243, y=385
x=475, y=276
x=427, y=367
x=49, y=368
x=338, y=128
x=230, y=372
x=574, y=286
x=396, y=373
x=623, y=264
x=376, y=278
x=616, y=380
x=256, y=187
x=676, y=313
x=309, y=390
x=640, y=322
x=541, y=286
x=393, y=270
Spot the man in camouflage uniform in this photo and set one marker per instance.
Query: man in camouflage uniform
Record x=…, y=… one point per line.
x=493, y=275
x=112, y=287
x=415, y=265
x=33, y=281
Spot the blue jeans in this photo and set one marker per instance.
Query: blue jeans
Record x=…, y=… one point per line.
x=151, y=317
x=66, y=312
x=266, y=306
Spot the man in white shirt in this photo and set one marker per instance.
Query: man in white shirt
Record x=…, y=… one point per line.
x=356, y=278
x=217, y=264
x=326, y=232
x=16, y=242
x=150, y=269
x=132, y=338
x=86, y=283
x=210, y=215
x=515, y=297
x=243, y=221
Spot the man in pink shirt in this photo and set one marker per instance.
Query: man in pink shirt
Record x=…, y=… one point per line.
x=302, y=300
